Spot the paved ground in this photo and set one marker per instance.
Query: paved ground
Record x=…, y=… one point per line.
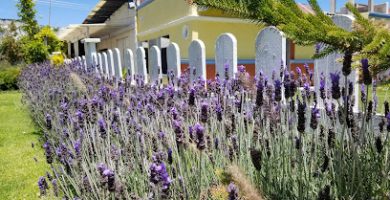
x=19, y=172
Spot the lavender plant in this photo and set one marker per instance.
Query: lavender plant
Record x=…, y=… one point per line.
x=109, y=139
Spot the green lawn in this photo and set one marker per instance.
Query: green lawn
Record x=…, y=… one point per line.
x=383, y=93
x=19, y=172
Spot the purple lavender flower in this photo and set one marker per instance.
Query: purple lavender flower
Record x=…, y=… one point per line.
x=101, y=167
x=48, y=121
x=363, y=93
x=335, y=78
x=219, y=111
x=226, y=70
x=177, y=127
x=77, y=147
x=48, y=152
x=306, y=87
x=191, y=133
x=278, y=90
x=299, y=72
x=204, y=112
x=315, y=115
x=200, y=137
x=64, y=155
x=161, y=135
x=322, y=86
x=259, y=92
x=170, y=159
x=367, y=79
x=55, y=187
x=160, y=176
x=301, y=116
x=109, y=179
x=115, y=153
x=241, y=68
x=102, y=128
x=43, y=186
x=79, y=116
x=233, y=192
x=107, y=175
x=191, y=100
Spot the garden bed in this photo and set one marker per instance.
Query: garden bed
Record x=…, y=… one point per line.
x=111, y=139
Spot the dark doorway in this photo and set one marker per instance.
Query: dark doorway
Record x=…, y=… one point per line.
x=81, y=49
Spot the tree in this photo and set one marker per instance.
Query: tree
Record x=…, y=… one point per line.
x=10, y=47
x=27, y=14
x=366, y=40
x=47, y=34
x=35, y=51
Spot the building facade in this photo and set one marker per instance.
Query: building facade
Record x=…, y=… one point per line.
x=125, y=24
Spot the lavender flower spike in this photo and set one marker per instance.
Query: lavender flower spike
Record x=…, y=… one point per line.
x=335, y=78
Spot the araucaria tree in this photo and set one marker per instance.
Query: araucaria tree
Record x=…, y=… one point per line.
x=366, y=40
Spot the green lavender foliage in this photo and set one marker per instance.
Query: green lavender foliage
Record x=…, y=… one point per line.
x=294, y=165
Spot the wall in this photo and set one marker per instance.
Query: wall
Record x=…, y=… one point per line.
x=123, y=38
x=304, y=52
x=161, y=12
x=208, y=32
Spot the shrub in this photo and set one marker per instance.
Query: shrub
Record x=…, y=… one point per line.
x=10, y=46
x=53, y=43
x=9, y=76
x=35, y=51
x=57, y=59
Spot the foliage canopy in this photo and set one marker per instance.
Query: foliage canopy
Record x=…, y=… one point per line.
x=368, y=39
x=27, y=14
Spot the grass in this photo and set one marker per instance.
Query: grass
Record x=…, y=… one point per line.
x=383, y=93
x=19, y=172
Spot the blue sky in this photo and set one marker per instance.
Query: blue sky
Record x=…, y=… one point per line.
x=66, y=12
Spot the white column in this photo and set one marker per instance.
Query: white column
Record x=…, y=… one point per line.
x=332, y=6
x=370, y=5
x=69, y=49
x=76, y=48
x=90, y=50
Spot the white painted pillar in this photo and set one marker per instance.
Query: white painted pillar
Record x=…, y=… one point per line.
x=111, y=64
x=90, y=50
x=226, y=56
x=117, y=64
x=371, y=6
x=174, y=62
x=141, y=71
x=197, y=60
x=155, y=70
x=332, y=7
x=69, y=49
x=76, y=48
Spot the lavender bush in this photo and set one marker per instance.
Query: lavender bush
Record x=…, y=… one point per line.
x=237, y=138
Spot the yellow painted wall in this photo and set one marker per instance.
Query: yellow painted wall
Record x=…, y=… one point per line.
x=304, y=52
x=245, y=33
x=213, y=13
x=161, y=12
x=169, y=17
x=208, y=32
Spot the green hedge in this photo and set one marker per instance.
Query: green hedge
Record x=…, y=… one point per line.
x=9, y=76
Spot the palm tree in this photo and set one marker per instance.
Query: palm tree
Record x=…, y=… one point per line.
x=366, y=40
